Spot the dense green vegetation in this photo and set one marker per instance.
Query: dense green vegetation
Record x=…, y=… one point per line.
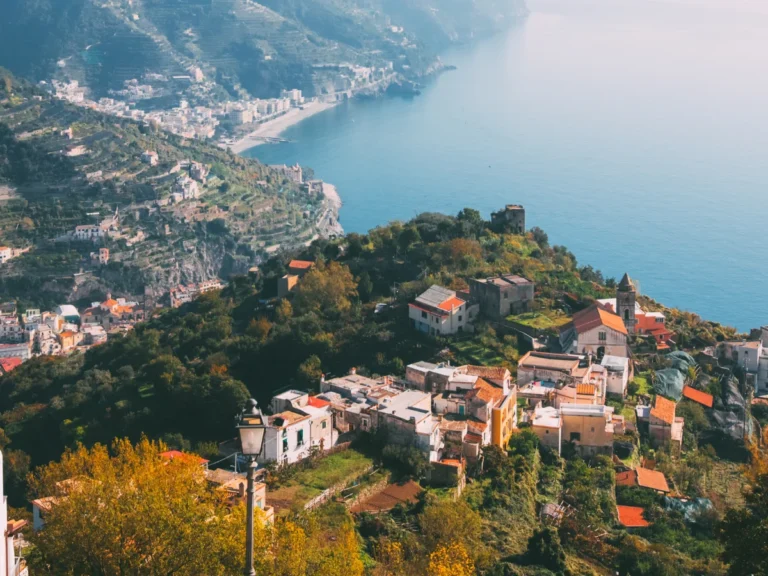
x=182, y=375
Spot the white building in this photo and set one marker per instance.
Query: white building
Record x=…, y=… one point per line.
x=185, y=189
x=287, y=438
x=293, y=95
x=89, y=232
x=150, y=157
x=438, y=311
x=11, y=562
x=321, y=432
x=6, y=254
x=11, y=329
x=617, y=374
x=239, y=117
x=18, y=350
x=408, y=420
x=597, y=331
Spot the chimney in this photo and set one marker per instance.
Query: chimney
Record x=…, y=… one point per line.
x=241, y=490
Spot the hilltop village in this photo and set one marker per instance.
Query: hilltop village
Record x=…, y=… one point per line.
x=507, y=389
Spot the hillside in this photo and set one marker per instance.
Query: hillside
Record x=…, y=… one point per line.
x=182, y=376
x=66, y=166
x=261, y=47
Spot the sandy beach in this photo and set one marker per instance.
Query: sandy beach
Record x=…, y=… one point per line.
x=273, y=128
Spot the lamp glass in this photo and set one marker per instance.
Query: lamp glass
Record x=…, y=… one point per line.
x=251, y=430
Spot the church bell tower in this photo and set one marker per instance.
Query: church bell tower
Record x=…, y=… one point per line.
x=626, y=296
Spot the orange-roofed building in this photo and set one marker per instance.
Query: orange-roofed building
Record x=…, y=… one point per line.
x=644, y=478
x=632, y=517
x=299, y=267
x=698, y=396
x=178, y=454
x=663, y=426
x=439, y=311
x=595, y=330
x=9, y=364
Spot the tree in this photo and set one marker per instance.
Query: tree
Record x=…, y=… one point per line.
x=540, y=237
x=744, y=531
x=444, y=523
x=365, y=287
x=450, y=560
x=462, y=251
x=283, y=311
x=544, y=549
x=633, y=388
x=326, y=289
x=130, y=511
x=309, y=372
x=259, y=328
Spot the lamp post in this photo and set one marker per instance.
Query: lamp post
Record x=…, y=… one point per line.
x=251, y=427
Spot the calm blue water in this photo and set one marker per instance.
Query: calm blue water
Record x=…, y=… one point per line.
x=634, y=132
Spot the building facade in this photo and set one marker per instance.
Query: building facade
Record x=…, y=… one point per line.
x=501, y=296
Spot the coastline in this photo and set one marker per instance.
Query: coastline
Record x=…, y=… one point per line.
x=273, y=128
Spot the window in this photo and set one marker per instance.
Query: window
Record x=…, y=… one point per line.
x=546, y=431
x=593, y=428
x=461, y=410
x=285, y=433
x=506, y=296
x=602, y=336
x=324, y=424
x=423, y=314
x=285, y=444
x=461, y=318
x=575, y=437
x=626, y=314
x=300, y=438
x=659, y=320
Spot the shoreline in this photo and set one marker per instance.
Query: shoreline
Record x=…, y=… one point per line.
x=273, y=128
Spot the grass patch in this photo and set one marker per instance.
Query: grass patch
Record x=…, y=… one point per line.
x=541, y=319
x=475, y=353
x=337, y=468
x=645, y=386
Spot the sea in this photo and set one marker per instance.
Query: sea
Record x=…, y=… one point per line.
x=634, y=132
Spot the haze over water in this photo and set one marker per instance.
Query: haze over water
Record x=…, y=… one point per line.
x=634, y=132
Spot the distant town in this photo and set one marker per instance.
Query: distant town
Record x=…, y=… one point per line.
x=213, y=118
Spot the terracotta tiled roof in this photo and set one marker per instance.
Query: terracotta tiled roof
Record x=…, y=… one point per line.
x=473, y=438
x=632, y=517
x=588, y=389
x=286, y=418
x=109, y=303
x=627, y=478
x=698, y=396
x=595, y=316
x=663, y=409
x=451, y=303
x=486, y=391
x=172, y=454
x=67, y=334
x=318, y=402
x=301, y=264
x=451, y=462
x=8, y=364
x=491, y=372
x=652, y=479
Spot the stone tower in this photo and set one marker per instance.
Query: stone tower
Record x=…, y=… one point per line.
x=509, y=219
x=626, y=295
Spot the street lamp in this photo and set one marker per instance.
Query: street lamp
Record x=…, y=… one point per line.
x=251, y=427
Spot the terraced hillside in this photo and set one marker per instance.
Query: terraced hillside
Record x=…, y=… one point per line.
x=262, y=47
x=63, y=167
